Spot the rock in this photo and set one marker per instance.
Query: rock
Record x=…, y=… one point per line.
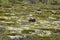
x=2, y=30
x=42, y=32
x=44, y=22
x=32, y=20
x=56, y=23
x=14, y=28
x=30, y=15
x=38, y=31
x=53, y=12
x=24, y=14
x=23, y=23
x=32, y=1
x=38, y=12
x=47, y=32
x=52, y=18
x=16, y=37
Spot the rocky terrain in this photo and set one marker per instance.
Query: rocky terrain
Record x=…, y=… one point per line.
x=29, y=20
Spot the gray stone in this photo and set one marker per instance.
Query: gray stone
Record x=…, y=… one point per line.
x=38, y=12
